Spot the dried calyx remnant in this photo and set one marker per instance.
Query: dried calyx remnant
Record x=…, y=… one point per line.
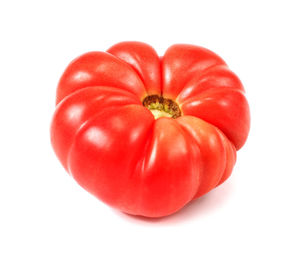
x=162, y=107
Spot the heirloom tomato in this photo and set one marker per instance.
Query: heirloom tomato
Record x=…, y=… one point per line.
x=148, y=134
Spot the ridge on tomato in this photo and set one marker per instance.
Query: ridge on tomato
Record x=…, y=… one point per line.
x=145, y=134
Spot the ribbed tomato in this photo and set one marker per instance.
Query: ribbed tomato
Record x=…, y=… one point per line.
x=145, y=134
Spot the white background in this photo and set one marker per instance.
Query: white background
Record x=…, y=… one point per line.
x=44, y=213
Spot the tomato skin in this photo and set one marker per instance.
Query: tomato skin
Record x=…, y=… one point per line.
x=218, y=157
x=144, y=60
x=191, y=59
x=77, y=108
x=225, y=108
x=114, y=148
x=99, y=69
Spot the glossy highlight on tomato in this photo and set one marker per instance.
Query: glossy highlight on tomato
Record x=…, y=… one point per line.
x=148, y=134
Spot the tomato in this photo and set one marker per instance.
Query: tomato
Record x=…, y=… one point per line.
x=145, y=134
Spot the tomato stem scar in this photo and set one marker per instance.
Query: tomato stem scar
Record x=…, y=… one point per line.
x=162, y=107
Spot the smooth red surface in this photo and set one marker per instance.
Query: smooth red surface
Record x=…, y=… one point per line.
x=115, y=149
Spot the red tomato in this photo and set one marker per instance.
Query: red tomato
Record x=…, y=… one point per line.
x=147, y=135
